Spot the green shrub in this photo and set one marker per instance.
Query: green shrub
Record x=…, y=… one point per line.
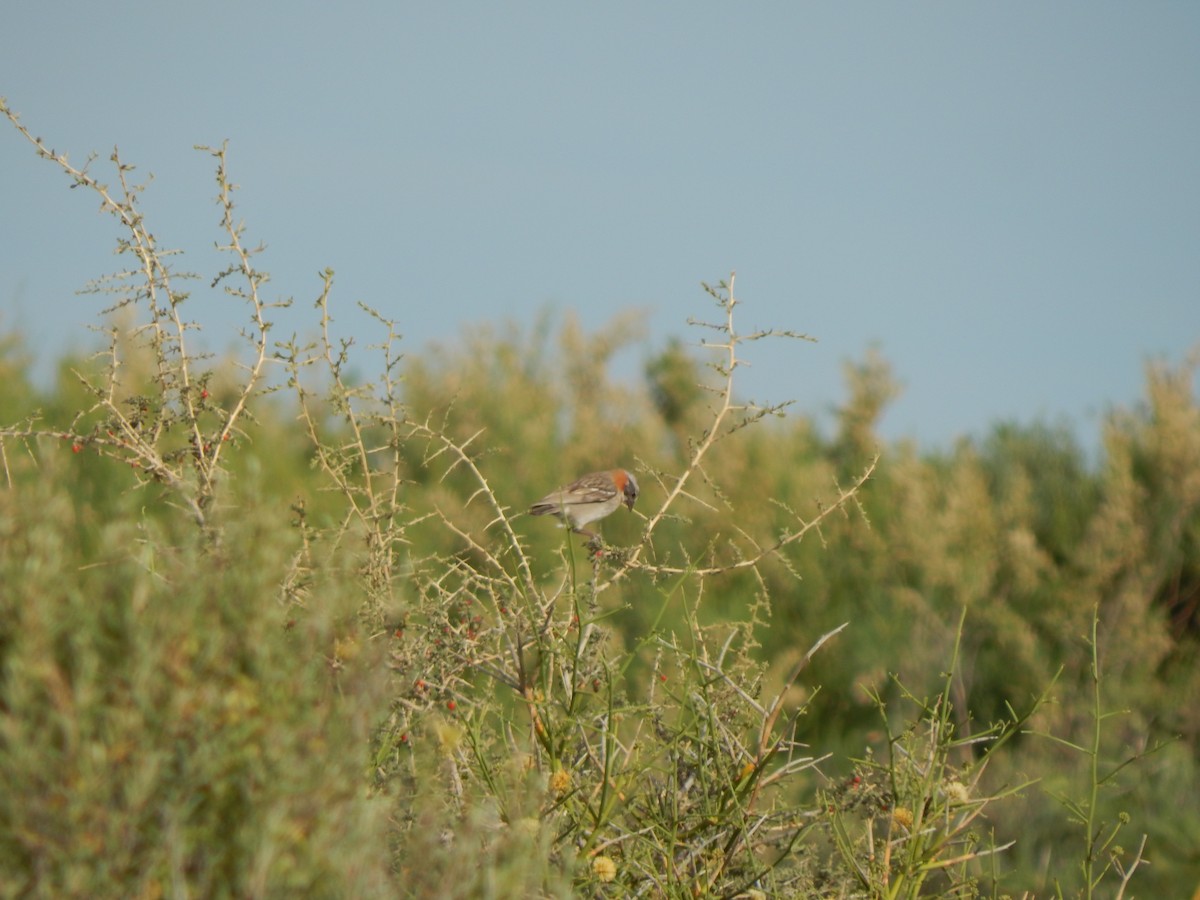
x=273, y=628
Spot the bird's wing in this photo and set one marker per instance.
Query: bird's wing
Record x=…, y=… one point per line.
x=595, y=488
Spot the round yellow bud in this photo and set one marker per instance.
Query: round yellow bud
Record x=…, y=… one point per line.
x=604, y=868
x=560, y=782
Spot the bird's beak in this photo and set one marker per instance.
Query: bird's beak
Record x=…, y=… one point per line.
x=629, y=503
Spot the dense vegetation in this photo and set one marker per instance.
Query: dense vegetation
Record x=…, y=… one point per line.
x=268, y=628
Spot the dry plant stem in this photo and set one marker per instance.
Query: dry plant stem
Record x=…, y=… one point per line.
x=369, y=503
x=767, y=745
x=525, y=588
x=1127, y=873
x=372, y=492
x=721, y=427
x=249, y=293
x=4, y=459
x=177, y=378
x=726, y=406
x=460, y=457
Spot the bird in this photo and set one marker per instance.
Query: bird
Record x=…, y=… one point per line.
x=589, y=498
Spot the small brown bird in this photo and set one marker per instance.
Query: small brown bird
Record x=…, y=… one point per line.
x=590, y=498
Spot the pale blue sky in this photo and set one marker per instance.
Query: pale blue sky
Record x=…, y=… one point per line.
x=1004, y=197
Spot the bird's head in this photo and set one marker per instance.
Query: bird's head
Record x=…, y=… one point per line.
x=628, y=485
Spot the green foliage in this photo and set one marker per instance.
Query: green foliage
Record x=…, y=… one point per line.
x=163, y=728
x=914, y=825
x=271, y=628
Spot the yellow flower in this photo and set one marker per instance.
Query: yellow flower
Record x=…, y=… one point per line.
x=560, y=782
x=604, y=868
x=957, y=793
x=903, y=817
